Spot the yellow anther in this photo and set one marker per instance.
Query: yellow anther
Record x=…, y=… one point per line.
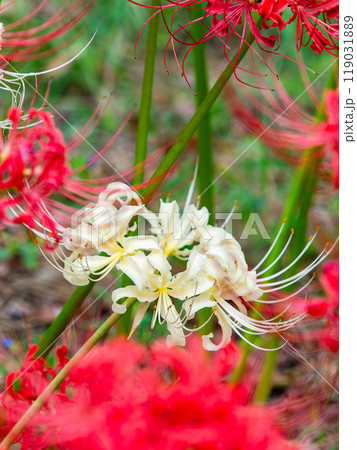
x=327, y=244
x=155, y=306
x=236, y=203
x=310, y=238
x=285, y=219
x=317, y=228
x=292, y=231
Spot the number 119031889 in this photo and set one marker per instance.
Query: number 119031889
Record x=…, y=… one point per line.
x=348, y=47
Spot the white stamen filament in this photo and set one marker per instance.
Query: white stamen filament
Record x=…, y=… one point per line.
x=271, y=247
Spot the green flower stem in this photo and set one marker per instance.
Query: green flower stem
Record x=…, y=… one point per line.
x=265, y=382
x=146, y=95
x=183, y=138
x=204, y=144
x=204, y=132
x=64, y=317
x=60, y=377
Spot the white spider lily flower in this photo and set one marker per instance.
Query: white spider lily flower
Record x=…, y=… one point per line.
x=154, y=282
x=103, y=229
x=176, y=231
x=103, y=221
x=225, y=262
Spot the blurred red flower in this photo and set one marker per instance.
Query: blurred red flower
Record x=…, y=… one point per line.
x=38, y=186
x=288, y=129
x=19, y=44
x=325, y=332
x=124, y=395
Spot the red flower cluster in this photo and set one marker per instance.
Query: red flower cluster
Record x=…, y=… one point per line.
x=124, y=396
x=34, y=164
x=230, y=19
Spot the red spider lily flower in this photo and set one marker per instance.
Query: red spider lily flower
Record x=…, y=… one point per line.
x=286, y=128
x=19, y=44
x=224, y=19
x=319, y=21
x=230, y=20
x=39, y=188
x=123, y=393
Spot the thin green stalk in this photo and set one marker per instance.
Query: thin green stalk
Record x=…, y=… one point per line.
x=146, y=95
x=204, y=144
x=58, y=326
x=204, y=132
x=60, y=377
x=183, y=138
x=265, y=383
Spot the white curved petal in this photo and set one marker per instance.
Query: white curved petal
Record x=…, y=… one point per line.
x=118, y=192
x=138, y=317
x=154, y=222
x=119, y=308
x=138, y=269
x=143, y=295
x=158, y=260
x=226, y=333
x=122, y=219
x=169, y=217
x=174, y=325
x=192, y=305
x=133, y=243
x=183, y=288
